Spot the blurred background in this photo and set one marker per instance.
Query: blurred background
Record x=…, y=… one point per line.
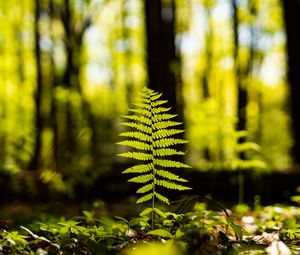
x=70, y=68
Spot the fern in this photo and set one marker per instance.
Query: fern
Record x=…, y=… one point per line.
x=152, y=142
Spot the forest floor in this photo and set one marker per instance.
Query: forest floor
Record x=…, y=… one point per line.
x=116, y=228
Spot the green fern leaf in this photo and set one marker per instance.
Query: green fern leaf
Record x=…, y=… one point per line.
x=157, y=103
x=161, y=117
x=170, y=176
x=138, y=169
x=152, y=143
x=155, y=96
x=160, y=110
x=165, y=124
x=141, y=119
x=167, y=142
x=146, y=211
x=162, y=198
x=160, y=213
x=144, y=112
x=143, y=105
x=145, y=188
x=138, y=126
x=167, y=152
x=136, y=155
x=136, y=145
x=246, y=146
x=142, y=178
x=171, y=185
x=170, y=163
x=162, y=133
x=145, y=100
x=137, y=135
x=145, y=198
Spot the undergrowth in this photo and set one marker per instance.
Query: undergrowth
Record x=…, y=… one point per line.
x=263, y=230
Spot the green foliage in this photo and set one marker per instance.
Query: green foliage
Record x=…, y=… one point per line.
x=161, y=233
x=249, y=149
x=200, y=231
x=153, y=145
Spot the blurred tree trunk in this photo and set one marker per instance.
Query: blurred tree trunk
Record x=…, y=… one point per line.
x=70, y=81
x=36, y=157
x=54, y=116
x=243, y=73
x=240, y=76
x=292, y=20
x=163, y=64
x=74, y=31
x=127, y=54
x=162, y=61
x=208, y=65
x=208, y=55
x=242, y=93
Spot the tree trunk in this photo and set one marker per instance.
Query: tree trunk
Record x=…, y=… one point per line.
x=35, y=162
x=73, y=41
x=292, y=20
x=242, y=94
x=127, y=54
x=162, y=61
x=208, y=65
x=163, y=64
x=74, y=32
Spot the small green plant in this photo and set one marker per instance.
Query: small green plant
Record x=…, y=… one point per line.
x=242, y=162
x=152, y=139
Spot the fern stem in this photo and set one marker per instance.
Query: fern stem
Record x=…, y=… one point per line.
x=153, y=206
x=152, y=153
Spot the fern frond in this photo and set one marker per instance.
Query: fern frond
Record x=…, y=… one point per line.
x=145, y=198
x=137, y=135
x=155, y=96
x=240, y=134
x=146, y=211
x=170, y=176
x=145, y=188
x=160, y=213
x=165, y=124
x=144, y=112
x=167, y=142
x=246, y=146
x=136, y=155
x=167, y=152
x=143, y=105
x=138, y=169
x=150, y=210
x=171, y=185
x=162, y=133
x=138, y=126
x=142, y=178
x=151, y=137
x=162, y=198
x=161, y=117
x=157, y=103
x=160, y=110
x=170, y=163
x=141, y=119
x=136, y=144
x=145, y=100
x=244, y=164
